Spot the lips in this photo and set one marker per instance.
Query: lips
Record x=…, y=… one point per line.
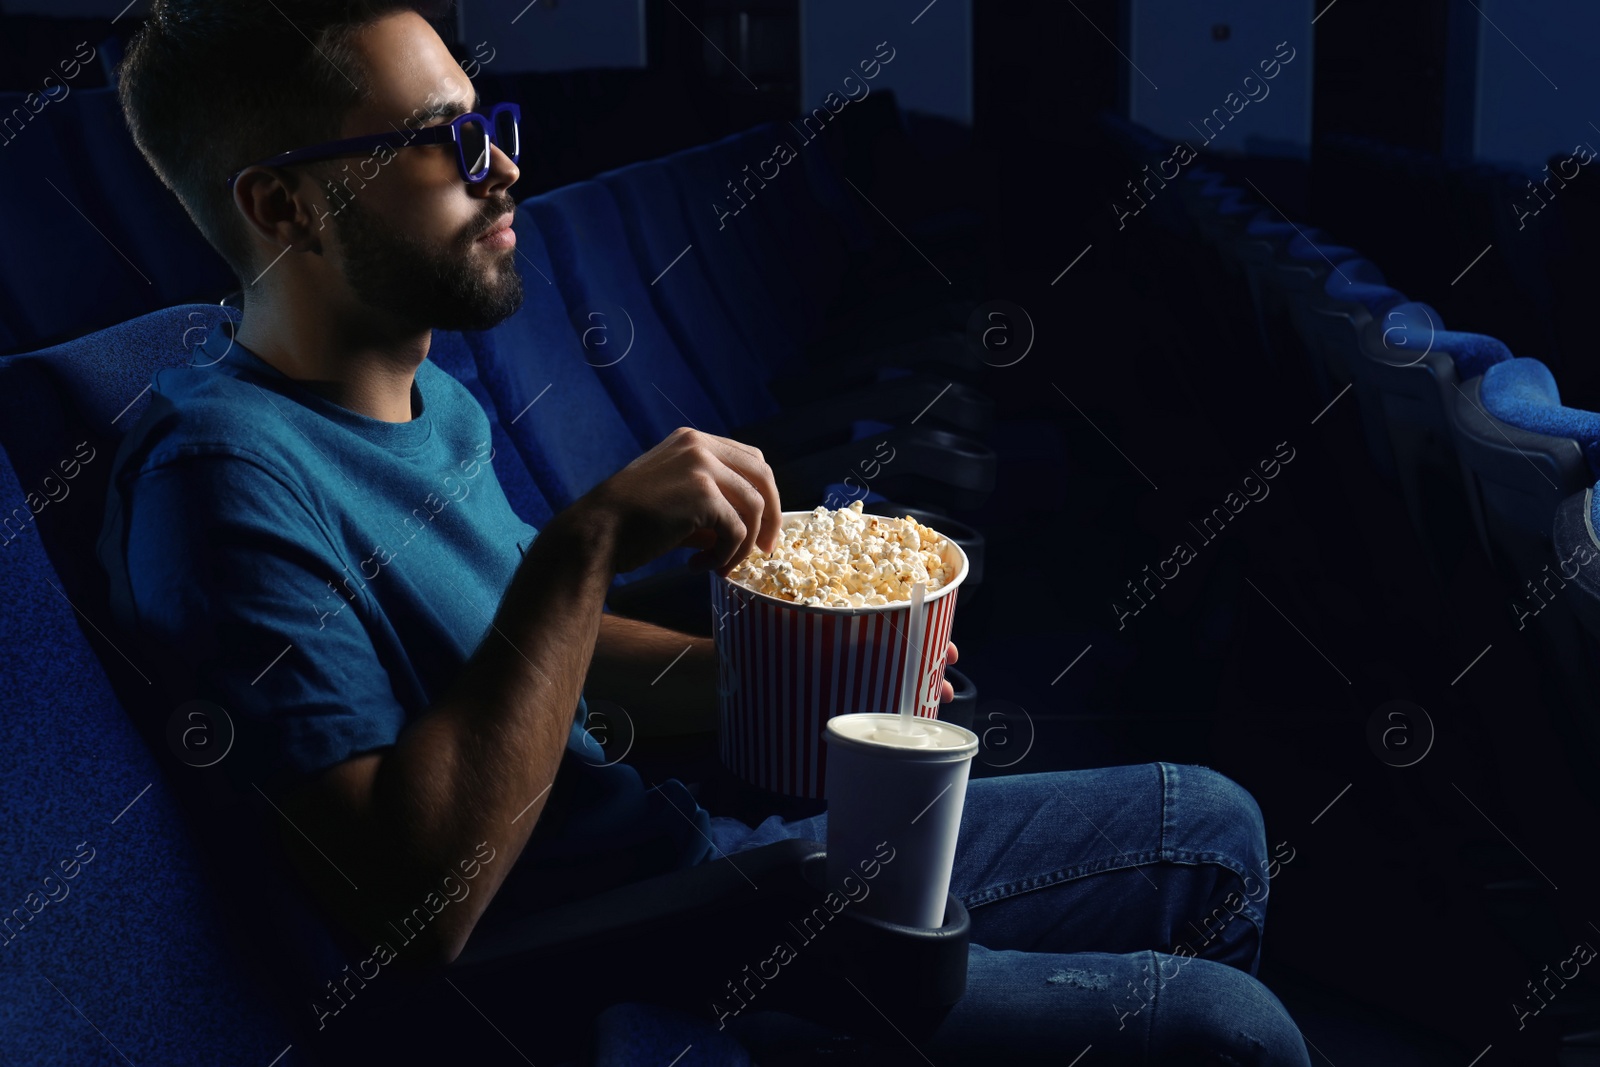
x=499, y=227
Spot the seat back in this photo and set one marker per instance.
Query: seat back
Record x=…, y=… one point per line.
x=556, y=413
x=739, y=275
x=647, y=377
x=1411, y=371
x=1515, y=478
x=43, y=210
x=113, y=924
x=696, y=318
x=133, y=206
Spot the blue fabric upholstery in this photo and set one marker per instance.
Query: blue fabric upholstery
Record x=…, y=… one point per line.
x=72, y=278
x=451, y=353
x=1358, y=282
x=701, y=324
x=758, y=225
x=641, y=369
x=660, y=249
x=652, y=204
x=133, y=940
x=555, y=411
x=1268, y=223
x=772, y=326
x=145, y=218
x=570, y=446
x=1422, y=326
x=1310, y=248
x=1523, y=393
x=1236, y=202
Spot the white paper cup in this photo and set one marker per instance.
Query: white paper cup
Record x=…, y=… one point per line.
x=894, y=813
x=787, y=668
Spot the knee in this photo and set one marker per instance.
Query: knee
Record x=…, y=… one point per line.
x=1213, y=813
x=1211, y=1013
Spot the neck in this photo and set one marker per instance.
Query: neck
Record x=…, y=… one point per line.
x=355, y=358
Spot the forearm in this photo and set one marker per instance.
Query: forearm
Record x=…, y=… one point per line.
x=478, y=766
x=666, y=680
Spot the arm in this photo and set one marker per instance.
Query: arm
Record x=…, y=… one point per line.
x=667, y=679
x=477, y=766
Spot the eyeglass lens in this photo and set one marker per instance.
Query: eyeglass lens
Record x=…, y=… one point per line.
x=506, y=134
x=475, y=147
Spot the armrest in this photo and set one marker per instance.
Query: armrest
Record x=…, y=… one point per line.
x=687, y=938
x=641, y=911
x=827, y=420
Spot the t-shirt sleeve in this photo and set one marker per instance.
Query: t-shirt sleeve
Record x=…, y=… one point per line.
x=236, y=588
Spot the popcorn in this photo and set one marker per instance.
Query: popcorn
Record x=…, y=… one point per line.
x=841, y=559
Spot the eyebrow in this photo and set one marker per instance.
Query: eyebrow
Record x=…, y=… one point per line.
x=447, y=109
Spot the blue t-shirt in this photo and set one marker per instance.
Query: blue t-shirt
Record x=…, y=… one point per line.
x=324, y=576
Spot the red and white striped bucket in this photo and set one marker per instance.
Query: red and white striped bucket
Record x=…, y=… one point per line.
x=787, y=668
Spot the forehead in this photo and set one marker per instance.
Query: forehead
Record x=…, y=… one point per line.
x=407, y=68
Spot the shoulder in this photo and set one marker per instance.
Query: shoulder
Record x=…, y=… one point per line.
x=207, y=422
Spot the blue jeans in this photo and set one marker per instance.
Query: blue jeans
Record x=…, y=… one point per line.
x=1119, y=908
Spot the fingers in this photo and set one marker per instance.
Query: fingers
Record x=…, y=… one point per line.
x=947, y=692
x=750, y=464
x=747, y=503
x=732, y=535
x=951, y=655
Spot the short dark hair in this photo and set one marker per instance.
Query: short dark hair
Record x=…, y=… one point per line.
x=210, y=86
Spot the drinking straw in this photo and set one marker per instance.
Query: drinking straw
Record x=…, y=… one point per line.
x=910, y=684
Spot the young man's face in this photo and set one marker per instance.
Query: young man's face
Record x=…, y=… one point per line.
x=409, y=239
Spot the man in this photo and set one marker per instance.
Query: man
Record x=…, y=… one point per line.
x=305, y=528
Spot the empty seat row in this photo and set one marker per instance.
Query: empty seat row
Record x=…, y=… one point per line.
x=1482, y=444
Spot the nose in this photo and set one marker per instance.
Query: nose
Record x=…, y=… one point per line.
x=503, y=174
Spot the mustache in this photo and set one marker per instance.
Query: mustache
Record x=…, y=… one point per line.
x=497, y=207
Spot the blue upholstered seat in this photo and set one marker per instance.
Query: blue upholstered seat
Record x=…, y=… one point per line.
x=1522, y=453
x=1523, y=393
x=647, y=378
x=136, y=210
x=40, y=206
x=1311, y=248
x=1412, y=328
x=1359, y=282
x=1268, y=223
x=667, y=281
x=765, y=327
x=168, y=987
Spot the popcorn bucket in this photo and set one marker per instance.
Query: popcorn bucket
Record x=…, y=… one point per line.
x=787, y=668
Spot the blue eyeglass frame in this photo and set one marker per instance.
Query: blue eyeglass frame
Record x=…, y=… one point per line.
x=446, y=133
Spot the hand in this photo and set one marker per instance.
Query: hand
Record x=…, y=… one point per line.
x=693, y=490
x=947, y=691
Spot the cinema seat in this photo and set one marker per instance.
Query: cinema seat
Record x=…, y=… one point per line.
x=707, y=332
x=746, y=270
x=42, y=209
x=1410, y=373
x=131, y=942
x=655, y=391
x=1330, y=322
x=1521, y=454
x=136, y=210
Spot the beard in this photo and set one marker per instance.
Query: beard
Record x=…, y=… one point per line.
x=442, y=287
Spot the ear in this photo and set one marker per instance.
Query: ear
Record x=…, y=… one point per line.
x=282, y=209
